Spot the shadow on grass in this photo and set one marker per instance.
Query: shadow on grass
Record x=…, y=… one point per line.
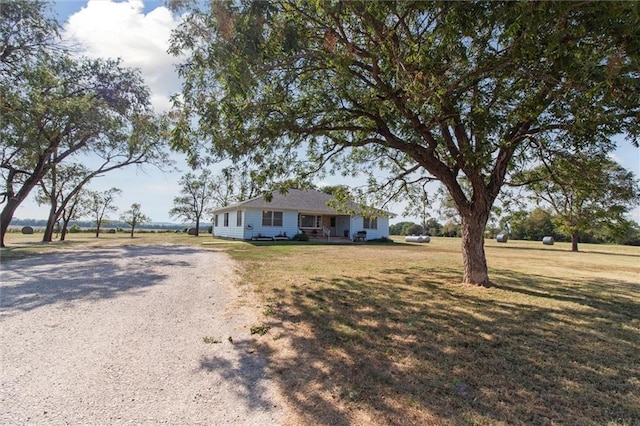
x=412, y=349
x=563, y=250
x=246, y=376
x=63, y=277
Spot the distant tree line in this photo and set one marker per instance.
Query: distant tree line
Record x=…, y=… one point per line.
x=528, y=225
x=88, y=224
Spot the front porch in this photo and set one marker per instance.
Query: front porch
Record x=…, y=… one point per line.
x=325, y=227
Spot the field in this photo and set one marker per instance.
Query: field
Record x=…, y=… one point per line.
x=386, y=334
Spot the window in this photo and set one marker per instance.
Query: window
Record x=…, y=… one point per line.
x=215, y=220
x=309, y=221
x=226, y=219
x=238, y=218
x=370, y=223
x=271, y=218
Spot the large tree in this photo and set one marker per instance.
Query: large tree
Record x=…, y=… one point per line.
x=55, y=108
x=145, y=145
x=63, y=108
x=59, y=189
x=585, y=191
x=452, y=91
x=27, y=32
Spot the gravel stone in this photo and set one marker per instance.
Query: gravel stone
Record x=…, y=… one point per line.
x=117, y=336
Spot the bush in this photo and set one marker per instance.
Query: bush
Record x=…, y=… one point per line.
x=415, y=230
x=74, y=229
x=300, y=237
x=381, y=240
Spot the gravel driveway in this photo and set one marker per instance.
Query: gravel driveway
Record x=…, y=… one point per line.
x=116, y=336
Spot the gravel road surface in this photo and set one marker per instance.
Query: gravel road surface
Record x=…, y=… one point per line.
x=117, y=336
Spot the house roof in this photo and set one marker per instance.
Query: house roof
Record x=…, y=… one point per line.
x=295, y=199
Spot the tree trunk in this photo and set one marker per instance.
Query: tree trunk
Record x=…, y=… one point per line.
x=574, y=241
x=51, y=223
x=14, y=200
x=98, y=230
x=6, y=216
x=473, y=256
x=65, y=229
x=132, y=231
x=197, y=225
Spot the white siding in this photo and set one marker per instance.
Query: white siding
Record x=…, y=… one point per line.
x=253, y=218
x=372, y=234
x=231, y=231
x=289, y=224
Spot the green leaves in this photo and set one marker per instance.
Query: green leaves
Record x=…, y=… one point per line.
x=410, y=90
x=586, y=191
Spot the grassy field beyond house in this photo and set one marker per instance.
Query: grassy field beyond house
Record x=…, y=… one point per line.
x=386, y=334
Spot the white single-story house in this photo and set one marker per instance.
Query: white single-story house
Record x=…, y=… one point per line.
x=296, y=212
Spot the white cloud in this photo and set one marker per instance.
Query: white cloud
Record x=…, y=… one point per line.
x=108, y=29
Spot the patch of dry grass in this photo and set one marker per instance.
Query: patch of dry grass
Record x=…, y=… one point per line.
x=385, y=334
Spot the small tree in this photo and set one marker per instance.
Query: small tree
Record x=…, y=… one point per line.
x=196, y=198
x=134, y=217
x=233, y=184
x=101, y=203
x=414, y=229
x=398, y=228
x=585, y=191
x=75, y=208
x=433, y=227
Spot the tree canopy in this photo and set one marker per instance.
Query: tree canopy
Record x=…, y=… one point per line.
x=134, y=217
x=99, y=204
x=585, y=191
x=197, y=196
x=57, y=109
x=408, y=91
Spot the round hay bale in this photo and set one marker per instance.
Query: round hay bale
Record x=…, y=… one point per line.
x=191, y=231
x=27, y=230
x=547, y=241
x=417, y=238
x=502, y=238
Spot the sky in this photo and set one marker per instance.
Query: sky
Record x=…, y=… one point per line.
x=138, y=32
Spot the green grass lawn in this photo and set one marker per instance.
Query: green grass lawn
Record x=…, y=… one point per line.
x=387, y=334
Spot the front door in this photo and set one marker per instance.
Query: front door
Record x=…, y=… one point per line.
x=330, y=222
x=332, y=225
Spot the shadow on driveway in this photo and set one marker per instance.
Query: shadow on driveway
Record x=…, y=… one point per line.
x=63, y=277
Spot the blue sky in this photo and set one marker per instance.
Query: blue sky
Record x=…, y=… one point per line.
x=138, y=32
